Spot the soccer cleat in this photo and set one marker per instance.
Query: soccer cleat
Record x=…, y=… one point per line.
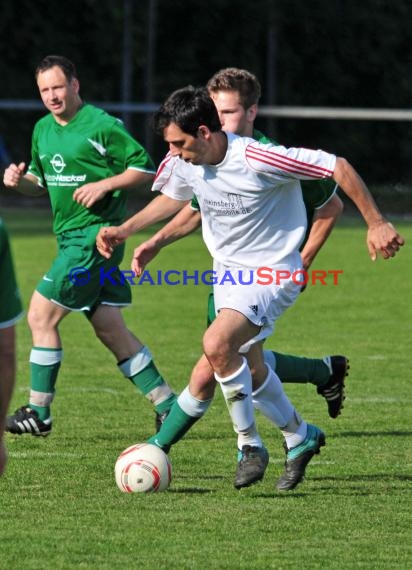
x=298, y=457
x=251, y=466
x=26, y=420
x=334, y=390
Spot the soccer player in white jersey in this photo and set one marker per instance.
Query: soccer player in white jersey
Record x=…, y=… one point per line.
x=253, y=217
x=236, y=93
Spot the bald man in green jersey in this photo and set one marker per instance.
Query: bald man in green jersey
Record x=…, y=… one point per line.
x=87, y=161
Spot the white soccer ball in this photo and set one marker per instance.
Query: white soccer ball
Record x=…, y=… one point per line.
x=143, y=468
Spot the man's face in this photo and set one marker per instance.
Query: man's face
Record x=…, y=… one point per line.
x=59, y=96
x=234, y=118
x=187, y=147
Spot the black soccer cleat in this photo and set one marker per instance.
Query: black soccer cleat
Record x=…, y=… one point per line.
x=25, y=420
x=251, y=466
x=298, y=458
x=334, y=390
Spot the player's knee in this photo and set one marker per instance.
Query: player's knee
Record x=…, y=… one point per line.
x=216, y=350
x=40, y=321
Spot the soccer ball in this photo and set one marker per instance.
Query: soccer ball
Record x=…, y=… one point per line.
x=143, y=468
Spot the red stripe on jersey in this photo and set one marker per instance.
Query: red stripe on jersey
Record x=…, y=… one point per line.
x=164, y=162
x=287, y=163
x=281, y=166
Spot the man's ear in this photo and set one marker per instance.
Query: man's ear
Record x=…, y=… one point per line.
x=251, y=113
x=203, y=131
x=76, y=84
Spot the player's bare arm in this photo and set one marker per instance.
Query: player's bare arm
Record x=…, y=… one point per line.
x=158, y=209
x=323, y=222
x=89, y=194
x=382, y=237
x=184, y=223
x=26, y=184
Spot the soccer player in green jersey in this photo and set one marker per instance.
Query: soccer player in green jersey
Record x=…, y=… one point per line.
x=11, y=311
x=86, y=160
x=236, y=93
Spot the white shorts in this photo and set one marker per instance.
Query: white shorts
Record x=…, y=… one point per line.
x=261, y=295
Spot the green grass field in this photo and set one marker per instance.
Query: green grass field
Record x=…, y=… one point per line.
x=60, y=507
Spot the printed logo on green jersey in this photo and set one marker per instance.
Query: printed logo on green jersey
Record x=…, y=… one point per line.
x=58, y=163
x=60, y=179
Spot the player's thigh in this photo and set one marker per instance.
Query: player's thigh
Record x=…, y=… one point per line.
x=44, y=313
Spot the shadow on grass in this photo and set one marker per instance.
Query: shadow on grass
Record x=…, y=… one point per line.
x=364, y=485
x=362, y=478
x=243, y=493
x=191, y=490
x=373, y=434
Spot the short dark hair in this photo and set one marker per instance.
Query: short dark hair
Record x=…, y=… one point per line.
x=65, y=65
x=240, y=80
x=189, y=108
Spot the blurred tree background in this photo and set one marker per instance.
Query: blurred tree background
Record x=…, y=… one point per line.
x=329, y=53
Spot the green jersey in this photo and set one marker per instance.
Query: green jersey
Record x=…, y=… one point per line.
x=315, y=193
x=92, y=146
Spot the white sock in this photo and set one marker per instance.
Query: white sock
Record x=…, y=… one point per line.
x=270, y=359
x=237, y=391
x=191, y=405
x=271, y=400
x=295, y=432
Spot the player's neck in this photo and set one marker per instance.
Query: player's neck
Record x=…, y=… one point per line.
x=219, y=148
x=70, y=113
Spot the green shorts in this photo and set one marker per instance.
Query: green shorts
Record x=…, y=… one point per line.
x=11, y=307
x=80, y=278
x=211, y=313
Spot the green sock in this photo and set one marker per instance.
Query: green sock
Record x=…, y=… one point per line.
x=298, y=369
x=44, y=368
x=142, y=372
x=174, y=427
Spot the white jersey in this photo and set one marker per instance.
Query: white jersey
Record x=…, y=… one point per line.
x=253, y=214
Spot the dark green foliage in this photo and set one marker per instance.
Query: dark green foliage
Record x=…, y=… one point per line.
x=325, y=53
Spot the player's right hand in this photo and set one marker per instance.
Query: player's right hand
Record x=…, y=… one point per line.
x=107, y=239
x=13, y=174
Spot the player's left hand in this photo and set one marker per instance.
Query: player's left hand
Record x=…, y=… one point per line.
x=89, y=194
x=383, y=238
x=142, y=255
